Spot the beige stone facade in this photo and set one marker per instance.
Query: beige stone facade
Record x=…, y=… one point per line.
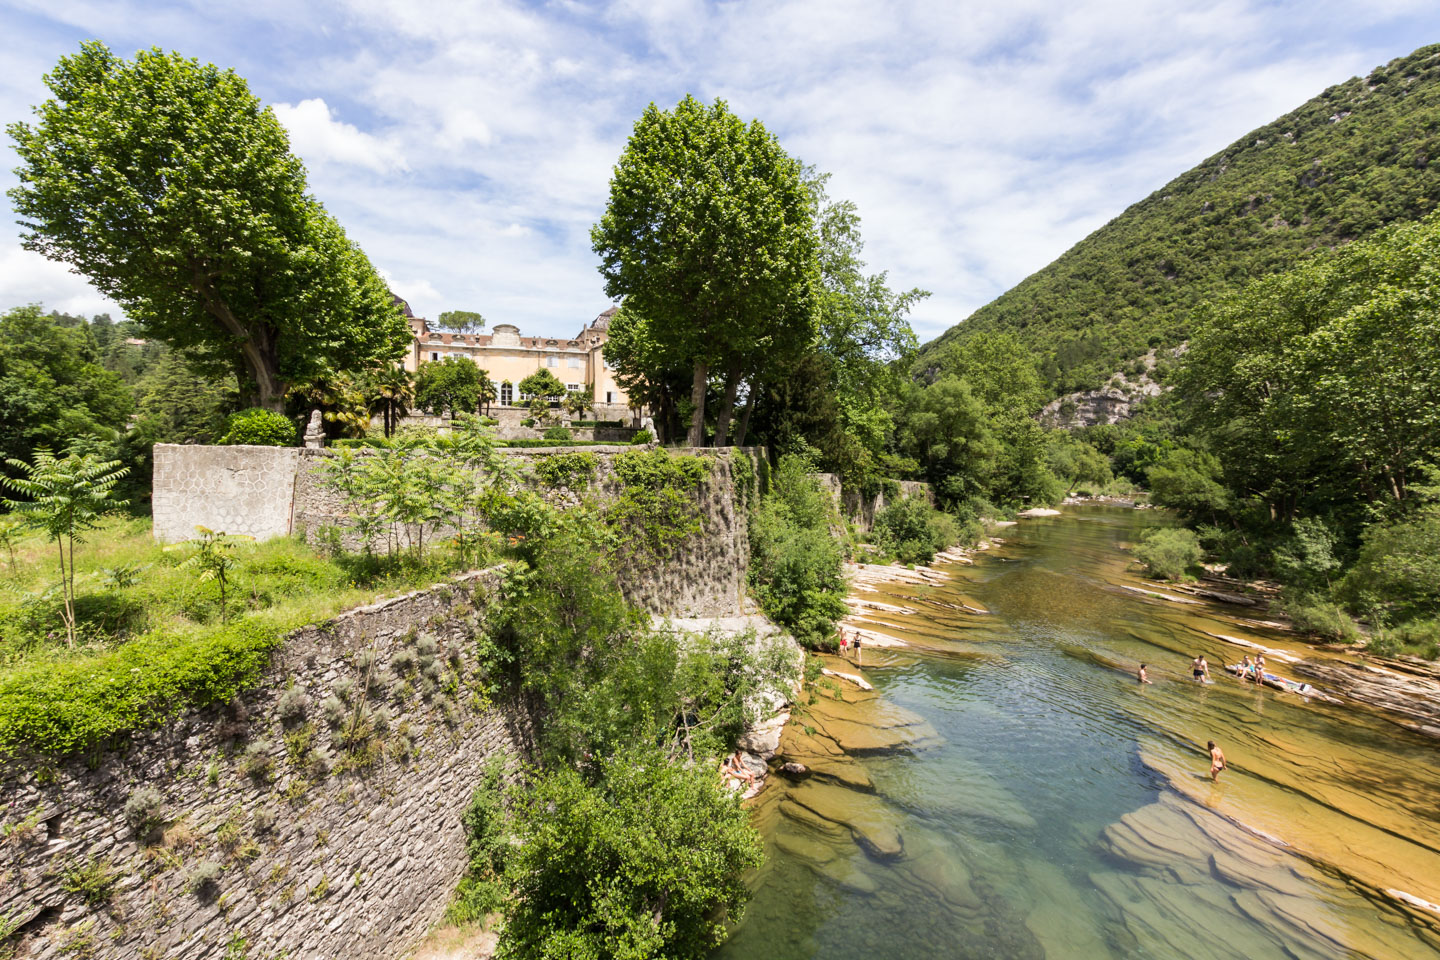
x=508, y=358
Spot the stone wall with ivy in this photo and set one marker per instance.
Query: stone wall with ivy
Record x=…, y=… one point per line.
x=860, y=509
x=316, y=816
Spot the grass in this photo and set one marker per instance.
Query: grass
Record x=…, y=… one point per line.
x=152, y=643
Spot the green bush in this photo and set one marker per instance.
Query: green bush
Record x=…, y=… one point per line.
x=1320, y=618
x=558, y=434
x=536, y=442
x=1169, y=553
x=1420, y=638
x=796, y=565
x=482, y=889
x=648, y=862
x=261, y=428
x=913, y=531
x=641, y=438
x=1398, y=571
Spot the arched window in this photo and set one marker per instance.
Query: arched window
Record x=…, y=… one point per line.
x=506, y=393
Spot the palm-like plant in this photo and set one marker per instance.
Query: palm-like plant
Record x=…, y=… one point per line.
x=340, y=399
x=390, y=392
x=67, y=496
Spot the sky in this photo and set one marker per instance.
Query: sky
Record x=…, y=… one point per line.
x=468, y=146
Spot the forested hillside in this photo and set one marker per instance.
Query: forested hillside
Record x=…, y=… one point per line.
x=1362, y=154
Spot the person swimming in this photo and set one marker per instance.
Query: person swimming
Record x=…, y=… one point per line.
x=1217, y=760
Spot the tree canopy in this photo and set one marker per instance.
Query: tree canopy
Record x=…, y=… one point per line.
x=709, y=238
x=167, y=184
x=461, y=321
x=452, y=383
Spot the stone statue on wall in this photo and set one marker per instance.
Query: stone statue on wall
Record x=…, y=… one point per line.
x=314, y=433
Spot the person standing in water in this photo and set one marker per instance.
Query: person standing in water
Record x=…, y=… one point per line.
x=1200, y=669
x=1141, y=675
x=1259, y=676
x=1217, y=760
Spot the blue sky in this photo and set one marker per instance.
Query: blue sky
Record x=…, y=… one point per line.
x=468, y=146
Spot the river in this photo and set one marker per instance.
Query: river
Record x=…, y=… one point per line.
x=1009, y=790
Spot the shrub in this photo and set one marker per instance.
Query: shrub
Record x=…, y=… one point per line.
x=796, y=566
x=293, y=705
x=403, y=661
x=558, y=434
x=204, y=877
x=1320, y=618
x=641, y=438
x=332, y=710
x=1398, y=570
x=913, y=531
x=657, y=509
x=346, y=689
x=1168, y=553
x=1419, y=638
x=583, y=887
x=261, y=428
x=264, y=820
x=256, y=761
x=487, y=840
x=145, y=811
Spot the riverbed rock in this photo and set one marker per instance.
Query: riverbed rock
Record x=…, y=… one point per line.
x=871, y=822
x=796, y=770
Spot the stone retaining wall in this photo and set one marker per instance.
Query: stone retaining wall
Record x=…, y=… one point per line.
x=352, y=864
x=271, y=491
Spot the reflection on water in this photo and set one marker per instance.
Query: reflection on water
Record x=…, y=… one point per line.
x=1009, y=790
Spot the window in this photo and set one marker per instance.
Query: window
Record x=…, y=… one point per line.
x=573, y=387
x=573, y=363
x=507, y=393
x=609, y=397
x=434, y=356
x=552, y=361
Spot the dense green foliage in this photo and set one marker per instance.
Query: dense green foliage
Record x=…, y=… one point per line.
x=572, y=470
x=167, y=185
x=1170, y=553
x=709, y=238
x=657, y=508
x=646, y=862
x=451, y=383
x=1342, y=165
x=542, y=383
x=796, y=562
x=1305, y=430
x=260, y=427
x=53, y=387
x=912, y=531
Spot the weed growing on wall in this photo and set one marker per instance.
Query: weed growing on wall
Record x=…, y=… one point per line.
x=570, y=470
x=658, y=507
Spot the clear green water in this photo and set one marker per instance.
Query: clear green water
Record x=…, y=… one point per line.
x=1010, y=822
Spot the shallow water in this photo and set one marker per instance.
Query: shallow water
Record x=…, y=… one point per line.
x=1022, y=796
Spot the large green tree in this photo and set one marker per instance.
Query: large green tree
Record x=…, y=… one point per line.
x=451, y=383
x=1319, y=389
x=167, y=184
x=52, y=387
x=709, y=238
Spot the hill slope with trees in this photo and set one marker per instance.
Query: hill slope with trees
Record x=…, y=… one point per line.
x=1357, y=157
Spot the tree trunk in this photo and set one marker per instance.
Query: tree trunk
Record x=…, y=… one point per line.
x=727, y=406
x=744, y=427
x=257, y=345
x=697, y=401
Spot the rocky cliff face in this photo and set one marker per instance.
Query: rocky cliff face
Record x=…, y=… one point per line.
x=1116, y=401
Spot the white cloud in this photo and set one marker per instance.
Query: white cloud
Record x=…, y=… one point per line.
x=27, y=277
x=467, y=146
x=317, y=137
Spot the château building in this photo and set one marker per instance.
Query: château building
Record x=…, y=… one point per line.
x=509, y=358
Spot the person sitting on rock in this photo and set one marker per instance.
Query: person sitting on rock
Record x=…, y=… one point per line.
x=735, y=767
